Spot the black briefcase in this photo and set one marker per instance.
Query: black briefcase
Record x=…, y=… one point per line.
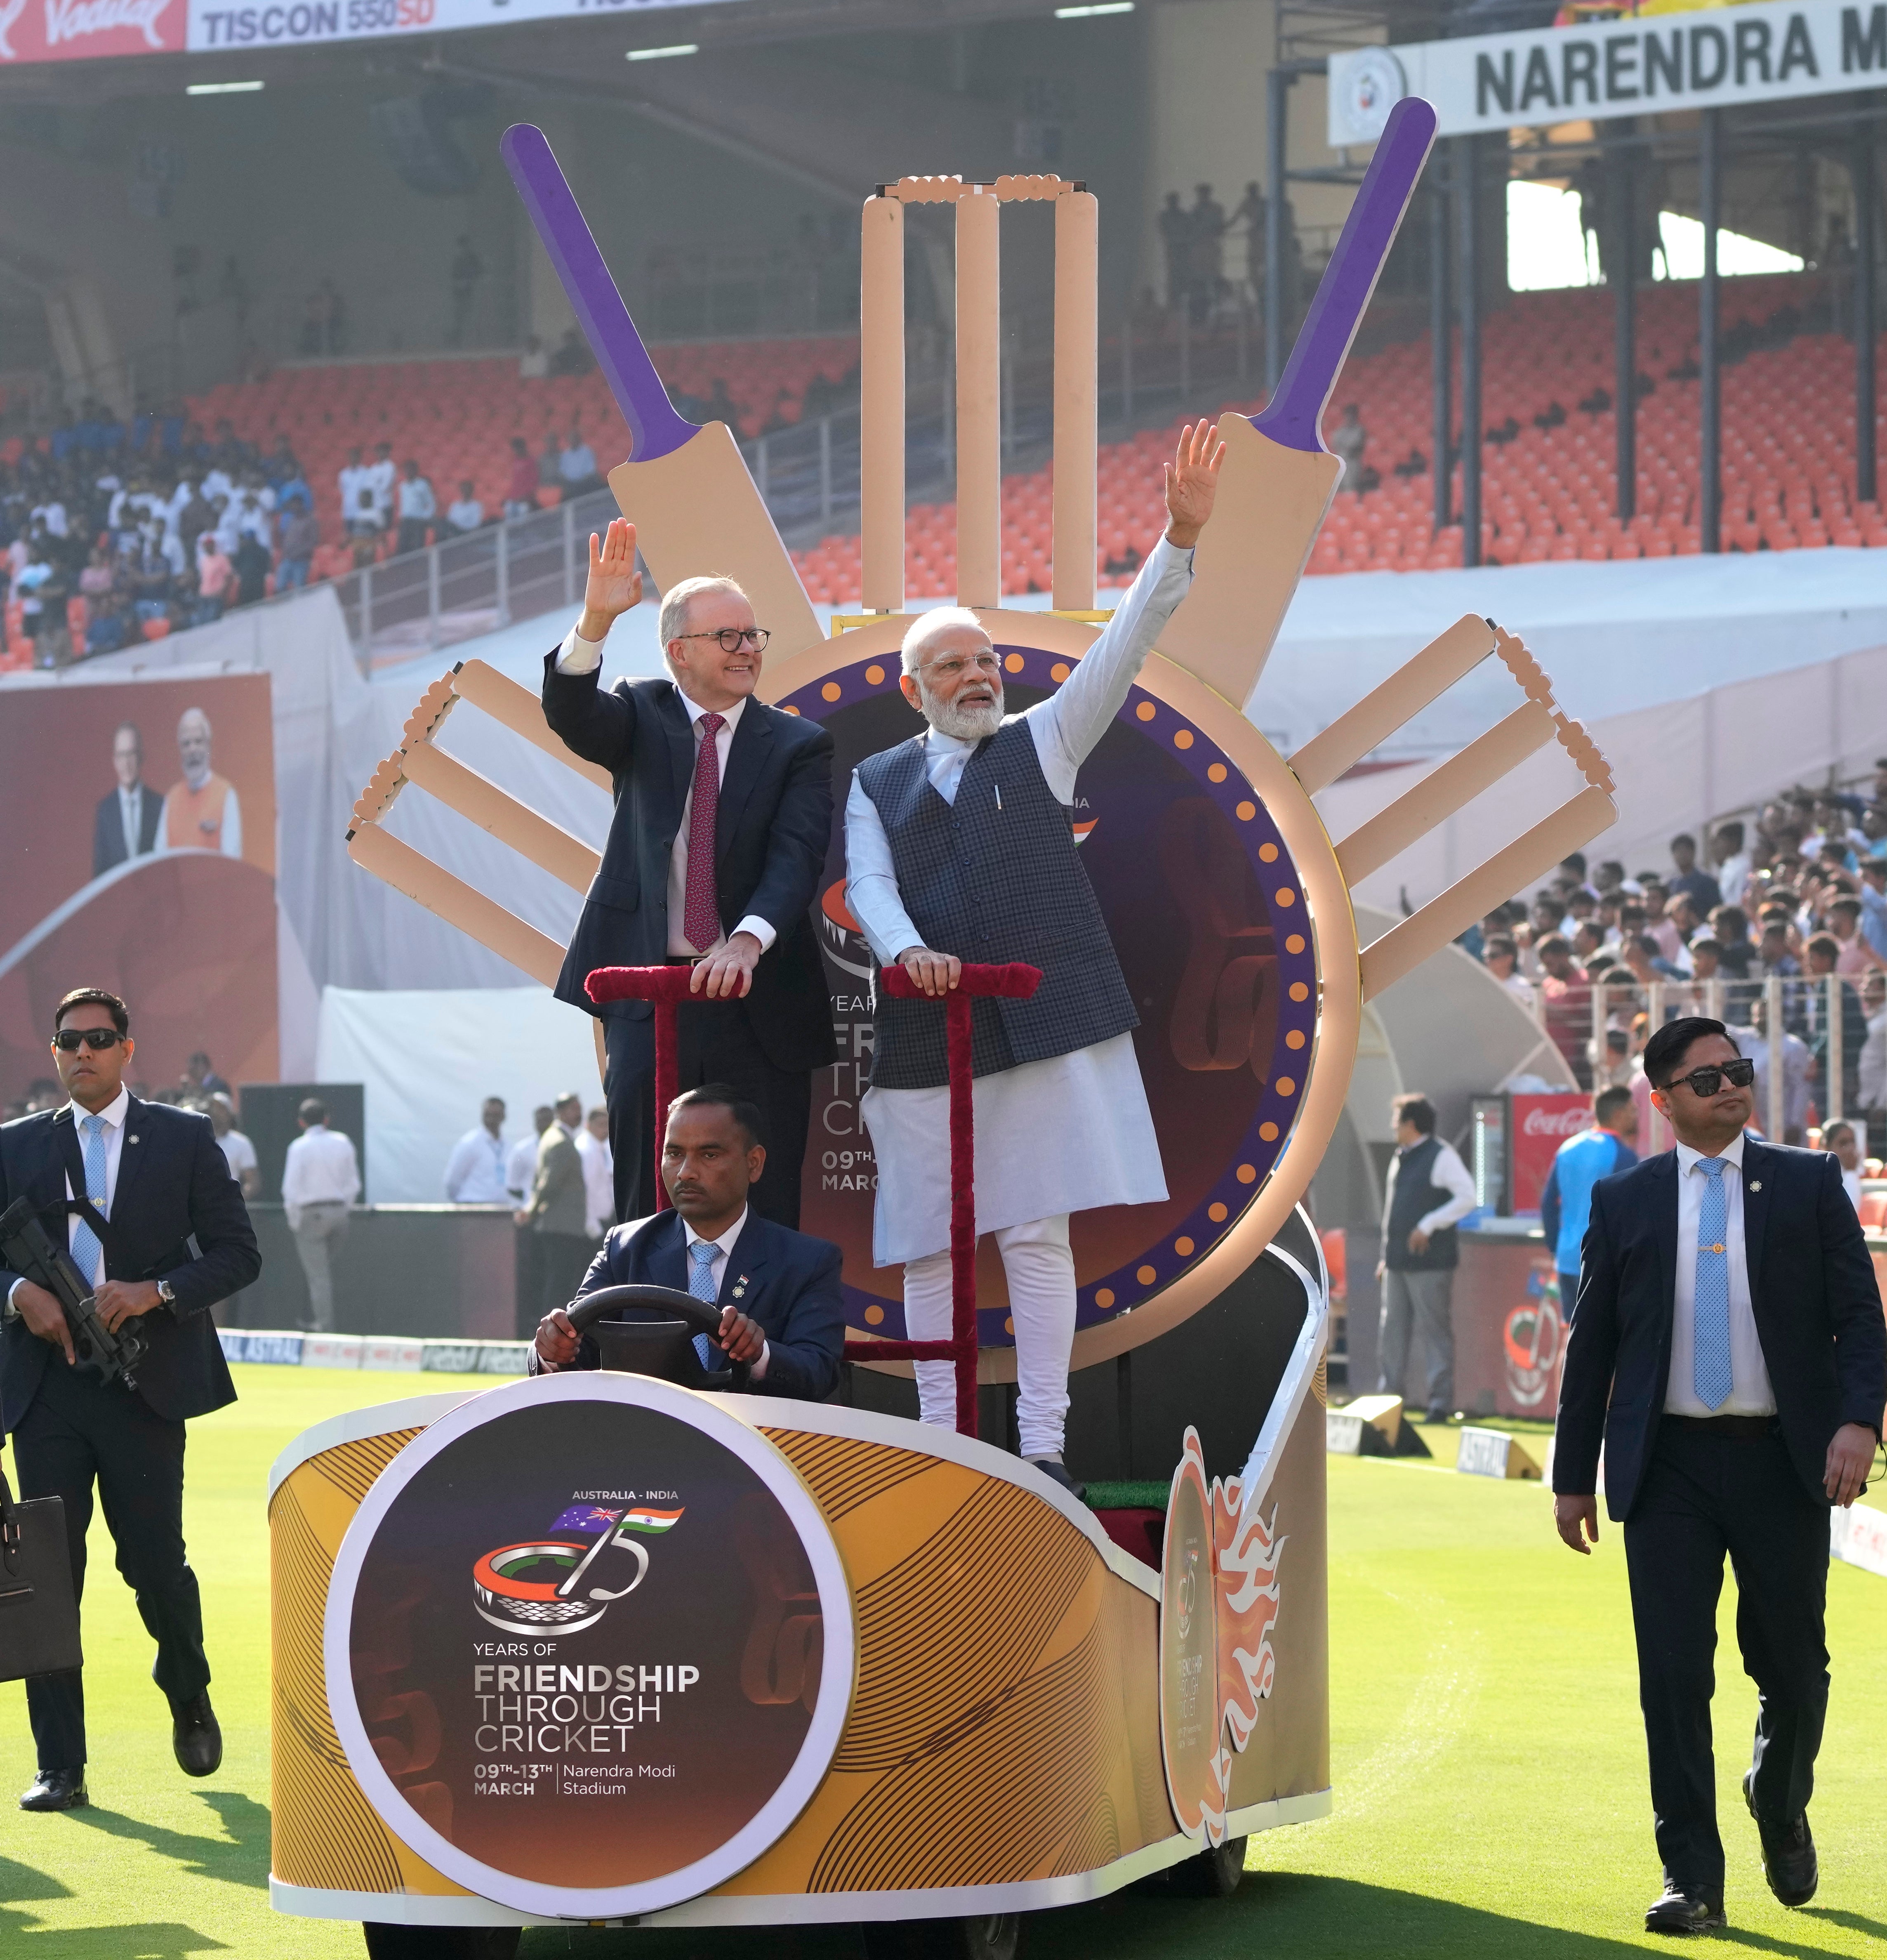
x=39, y=1613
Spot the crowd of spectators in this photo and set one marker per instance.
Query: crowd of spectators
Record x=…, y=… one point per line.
x=110, y=533
x=1799, y=896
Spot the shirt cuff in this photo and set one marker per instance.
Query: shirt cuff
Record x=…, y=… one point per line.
x=13, y=1293
x=761, y=930
x=757, y=1372
x=578, y=655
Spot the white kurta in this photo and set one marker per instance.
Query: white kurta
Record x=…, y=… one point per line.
x=1073, y=1132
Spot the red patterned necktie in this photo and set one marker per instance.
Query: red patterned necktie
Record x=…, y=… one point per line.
x=701, y=916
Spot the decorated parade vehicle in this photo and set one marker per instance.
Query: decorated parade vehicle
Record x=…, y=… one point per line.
x=620, y=1647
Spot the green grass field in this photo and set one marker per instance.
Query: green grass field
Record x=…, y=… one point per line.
x=1488, y=1760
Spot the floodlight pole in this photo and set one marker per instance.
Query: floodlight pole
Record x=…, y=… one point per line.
x=1623, y=250
x=1467, y=175
x=1865, y=484
x=1709, y=377
x=1442, y=353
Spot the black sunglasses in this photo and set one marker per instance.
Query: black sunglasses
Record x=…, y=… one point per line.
x=67, y=1039
x=1706, y=1082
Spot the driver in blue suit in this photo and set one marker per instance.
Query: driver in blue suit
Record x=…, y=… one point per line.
x=783, y=1316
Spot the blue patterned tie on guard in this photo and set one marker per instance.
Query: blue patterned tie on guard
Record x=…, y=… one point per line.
x=87, y=1254
x=1710, y=1361
x=701, y=1285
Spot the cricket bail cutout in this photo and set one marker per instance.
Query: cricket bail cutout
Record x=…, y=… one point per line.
x=576, y=1601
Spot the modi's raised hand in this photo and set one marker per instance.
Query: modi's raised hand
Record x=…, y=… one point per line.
x=613, y=585
x=1192, y=483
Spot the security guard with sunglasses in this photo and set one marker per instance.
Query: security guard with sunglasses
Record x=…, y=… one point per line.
x=1729, y=1349
x=145, y=1203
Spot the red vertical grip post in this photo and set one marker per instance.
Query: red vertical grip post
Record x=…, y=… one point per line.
x=664, y=987
x=1012, y=982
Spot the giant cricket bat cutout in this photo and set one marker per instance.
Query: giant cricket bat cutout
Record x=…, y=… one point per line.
x=685, y=488
x=1278, y=480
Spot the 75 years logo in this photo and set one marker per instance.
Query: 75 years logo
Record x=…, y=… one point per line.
x=569, y=1583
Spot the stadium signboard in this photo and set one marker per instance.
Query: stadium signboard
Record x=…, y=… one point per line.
x=216, y=24
x=1693, y=59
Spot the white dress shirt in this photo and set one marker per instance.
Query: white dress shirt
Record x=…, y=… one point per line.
x=520, y=1168
x=579, y=656
x=238, y=1153
x=114, y=1114
x=321, y=1169
x=475, y=1172
x=1750, y=1393
x=717, y=1272
x=131, y=803
x=599, y=1181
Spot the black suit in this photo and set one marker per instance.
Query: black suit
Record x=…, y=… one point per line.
x=773, y=827
x=69, y=1430
x=108, y=828
x=788, y=1283
x=1687, y=1492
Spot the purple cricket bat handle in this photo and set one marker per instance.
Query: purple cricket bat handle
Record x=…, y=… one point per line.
x=1295, y=415
x=655, y=429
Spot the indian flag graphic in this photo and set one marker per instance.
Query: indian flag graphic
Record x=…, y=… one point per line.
x=650, y=1519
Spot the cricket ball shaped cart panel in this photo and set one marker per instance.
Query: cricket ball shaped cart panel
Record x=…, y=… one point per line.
x=945, y=1704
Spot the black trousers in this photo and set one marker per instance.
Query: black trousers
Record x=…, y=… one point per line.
x=1705, y=1494
x=77, y=1431
x=714, y=1044
x=562, y=1258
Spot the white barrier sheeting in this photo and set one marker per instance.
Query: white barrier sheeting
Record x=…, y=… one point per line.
x=428, y=1059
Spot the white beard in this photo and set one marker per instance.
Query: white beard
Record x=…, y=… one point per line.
x=966, y=724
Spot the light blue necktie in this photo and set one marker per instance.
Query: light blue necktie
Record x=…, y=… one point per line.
x=87, y=1254
x=701, y=1285
x=1709, y=1359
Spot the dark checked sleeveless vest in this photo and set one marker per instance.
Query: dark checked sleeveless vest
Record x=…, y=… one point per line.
x=992, y=881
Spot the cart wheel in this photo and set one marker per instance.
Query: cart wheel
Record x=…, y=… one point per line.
x=1214, y=1873
x=385, y=1941
x=994, y=1937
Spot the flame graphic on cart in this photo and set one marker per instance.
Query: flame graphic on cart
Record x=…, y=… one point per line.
x=541, y=1582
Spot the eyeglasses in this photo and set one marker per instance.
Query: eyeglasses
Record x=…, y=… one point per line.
x=67, y=1039
x=733, y=638
x=1706, y=1082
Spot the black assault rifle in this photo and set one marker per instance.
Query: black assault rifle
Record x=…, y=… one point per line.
x=30, y=1249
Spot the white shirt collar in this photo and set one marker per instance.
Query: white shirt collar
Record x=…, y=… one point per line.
x=730, y=715
x=725, y=1244
x=1732, y=1154
x=114, y=1112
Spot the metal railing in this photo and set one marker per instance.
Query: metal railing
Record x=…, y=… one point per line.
x=1809, y=1035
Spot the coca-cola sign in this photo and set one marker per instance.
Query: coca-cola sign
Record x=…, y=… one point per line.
x=1541, y=1124
x=41, y=31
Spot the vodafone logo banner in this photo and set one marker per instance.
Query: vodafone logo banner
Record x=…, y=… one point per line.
x=43, y=31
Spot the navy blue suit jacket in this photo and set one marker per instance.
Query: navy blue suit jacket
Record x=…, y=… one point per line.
x=174, y=1187
x=1818, y=1312
x=789, y=1283
x=772, y=825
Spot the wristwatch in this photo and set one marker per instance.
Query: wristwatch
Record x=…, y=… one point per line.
x=166, y=1293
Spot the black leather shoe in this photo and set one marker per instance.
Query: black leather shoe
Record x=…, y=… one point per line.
x=1057, y=1473
x=1788, y=1852
x=196, y=1738
x=57, y=1789
x=1681, y=1911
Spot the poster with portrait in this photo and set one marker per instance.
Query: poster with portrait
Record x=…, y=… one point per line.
x=138, y=820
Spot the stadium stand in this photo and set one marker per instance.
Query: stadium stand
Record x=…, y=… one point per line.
x=458, y=417
x=1547, y=470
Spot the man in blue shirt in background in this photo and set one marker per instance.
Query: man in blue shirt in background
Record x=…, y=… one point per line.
x=1565, y=1205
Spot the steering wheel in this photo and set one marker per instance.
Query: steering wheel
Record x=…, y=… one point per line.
x=645, y=1302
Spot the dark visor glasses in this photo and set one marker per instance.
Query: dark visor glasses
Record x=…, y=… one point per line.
x=67, y=1039
x=1706, y=1082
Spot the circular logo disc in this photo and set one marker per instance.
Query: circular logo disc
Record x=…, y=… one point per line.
x=589, y=1645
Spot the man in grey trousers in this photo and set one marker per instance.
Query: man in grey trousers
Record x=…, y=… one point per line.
x=558, y=1210
x=1428, y=1190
